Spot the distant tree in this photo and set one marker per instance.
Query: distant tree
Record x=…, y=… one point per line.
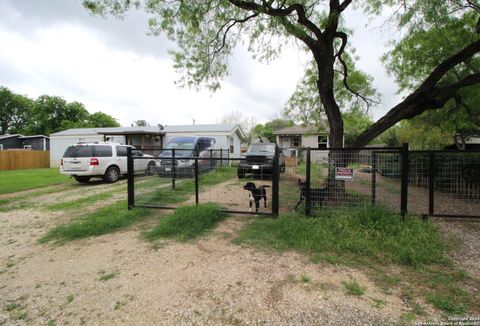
x=103, y=120
x=246, y=123
x=267, y=129
x=15, y=111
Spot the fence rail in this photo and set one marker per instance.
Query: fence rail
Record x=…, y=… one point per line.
x=24, y=159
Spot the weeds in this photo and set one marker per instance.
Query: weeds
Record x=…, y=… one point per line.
x=105, y=220
x=352, y=287
x=107, y=276
x=187, y=222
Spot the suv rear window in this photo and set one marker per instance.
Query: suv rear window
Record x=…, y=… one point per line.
x=88, y=151
x=79, y=151
x=102, y=151
x=121, y=151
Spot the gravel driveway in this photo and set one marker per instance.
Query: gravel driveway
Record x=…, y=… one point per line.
x=120, y=279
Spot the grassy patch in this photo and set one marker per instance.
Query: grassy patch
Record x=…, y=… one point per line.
x=107, y=276
x=373, y=232
x=316, y=172
x=105, y=220
x=352, y=287
x=187, y=222
x=18, y=180
x=304, y=278
x=11, y=306
x=79, y=202
x=408, y=254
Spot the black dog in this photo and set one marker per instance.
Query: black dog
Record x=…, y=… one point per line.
x=317, y=195
x=256, y=194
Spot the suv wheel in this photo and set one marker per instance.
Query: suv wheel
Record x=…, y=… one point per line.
x=112, y=175
x=151, y=167
x=82, y=179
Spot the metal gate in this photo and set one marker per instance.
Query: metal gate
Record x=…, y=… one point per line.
x=178, y=177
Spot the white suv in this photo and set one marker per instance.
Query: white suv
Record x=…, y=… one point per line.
x=105, y=160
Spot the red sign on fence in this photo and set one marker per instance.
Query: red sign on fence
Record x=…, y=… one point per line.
x=344, y=174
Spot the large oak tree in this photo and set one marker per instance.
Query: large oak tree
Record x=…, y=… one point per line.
x=207, y=32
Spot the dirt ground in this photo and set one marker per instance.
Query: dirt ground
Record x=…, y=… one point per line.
x=120, y=279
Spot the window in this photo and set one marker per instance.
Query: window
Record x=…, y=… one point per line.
x=121, y=151
x=1, y=147
x=27, y=146
x=204, y=144
x=322, y=141
x=79, y=151
x=296, y=142
x=103, y=151
x=231, y=145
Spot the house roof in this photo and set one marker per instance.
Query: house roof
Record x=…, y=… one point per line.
x=229, y=128
x=111, y=131
x=152, y=130
x=9, y=136
x=300, y=130
x=33, y=136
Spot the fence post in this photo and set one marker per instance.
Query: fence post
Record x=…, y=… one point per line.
x=374, y=178
x=308, y=199
x=431, y=183
x=211, y=159
x=275, y=184
x=196, y=181
x=404, y=184
x=174, y=170
x=221, y=157
x=130, y=181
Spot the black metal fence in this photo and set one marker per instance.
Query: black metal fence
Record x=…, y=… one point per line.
x=427, y=183
x=186, y=176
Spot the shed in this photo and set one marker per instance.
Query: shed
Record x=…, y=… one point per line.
x=18, y=141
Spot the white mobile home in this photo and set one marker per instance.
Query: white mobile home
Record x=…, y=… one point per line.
x=226, y=136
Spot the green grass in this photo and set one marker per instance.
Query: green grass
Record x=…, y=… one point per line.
x=18, y=180
x=187, y=222
x=316, y=172
x=352, y=287
x=408, y=254
x=116, y=216
x=107, y=276
x=105, y=220
x=79, y=202
x=373, y=232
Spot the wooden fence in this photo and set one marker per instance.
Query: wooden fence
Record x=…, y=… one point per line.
x=22, y=159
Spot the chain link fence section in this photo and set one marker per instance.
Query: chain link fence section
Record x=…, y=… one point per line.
x=316, y=179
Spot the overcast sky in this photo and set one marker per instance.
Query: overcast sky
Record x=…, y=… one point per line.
x=55, y=47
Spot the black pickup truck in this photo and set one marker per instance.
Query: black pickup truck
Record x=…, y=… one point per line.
x=259, y=161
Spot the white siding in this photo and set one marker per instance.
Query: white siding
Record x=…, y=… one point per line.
x=310, y=141
x=220, y=138
x=58, y=144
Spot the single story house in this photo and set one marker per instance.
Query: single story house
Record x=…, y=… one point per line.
x=18, y=141
x=302, y=136
x=146, y=137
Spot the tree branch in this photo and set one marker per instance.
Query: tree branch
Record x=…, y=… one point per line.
x=343, y=36
x=233, y=23
x=280, y=12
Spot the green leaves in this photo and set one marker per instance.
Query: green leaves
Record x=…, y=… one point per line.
x=46, y=115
